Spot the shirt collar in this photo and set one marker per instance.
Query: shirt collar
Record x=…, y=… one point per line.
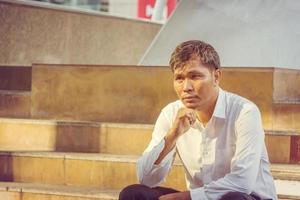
x=219, y=110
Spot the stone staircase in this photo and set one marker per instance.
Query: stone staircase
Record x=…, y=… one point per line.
x=77, y=131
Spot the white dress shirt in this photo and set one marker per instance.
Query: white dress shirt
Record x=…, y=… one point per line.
x=229, y=154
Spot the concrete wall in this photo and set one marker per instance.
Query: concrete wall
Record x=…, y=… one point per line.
x=123, y=8
x=131, y=94
x=34, y=32
x=256, y=33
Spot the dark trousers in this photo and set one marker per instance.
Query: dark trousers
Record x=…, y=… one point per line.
x=142, y=192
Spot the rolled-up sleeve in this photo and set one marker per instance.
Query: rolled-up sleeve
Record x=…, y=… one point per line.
x=149, y=173
x=245, y=162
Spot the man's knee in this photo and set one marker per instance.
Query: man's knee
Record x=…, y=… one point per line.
x=132, y=192
x=236, y=196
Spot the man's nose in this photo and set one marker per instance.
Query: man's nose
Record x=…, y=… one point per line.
x=187, y=85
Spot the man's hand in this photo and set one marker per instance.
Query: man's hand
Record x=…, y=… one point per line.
x=185, y=118
x=176, y=196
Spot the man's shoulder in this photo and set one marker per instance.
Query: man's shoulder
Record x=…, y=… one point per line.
x=235, y=102
x=173, y=107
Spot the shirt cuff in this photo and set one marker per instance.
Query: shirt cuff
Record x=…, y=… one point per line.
x=198, y=194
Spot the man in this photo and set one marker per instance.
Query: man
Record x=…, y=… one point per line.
x=218, y=135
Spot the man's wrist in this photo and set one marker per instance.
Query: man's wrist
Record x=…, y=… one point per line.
x=171, y=137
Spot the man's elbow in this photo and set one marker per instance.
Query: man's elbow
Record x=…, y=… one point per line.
x=246, y=187
x=149, y=181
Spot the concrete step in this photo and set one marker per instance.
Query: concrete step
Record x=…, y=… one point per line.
x=102, y=170
x=96, y=170
x=33, y=191
x=278, y=99
x=287, y=189
x=76, y=93
x=114, y=138
x=15, y=103
x=72, y=136
x=281, y=171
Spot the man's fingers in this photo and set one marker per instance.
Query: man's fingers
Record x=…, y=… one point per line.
x=185, y=119
x=191, y=117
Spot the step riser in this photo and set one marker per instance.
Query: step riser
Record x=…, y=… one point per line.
x=15, y=105
x=103, y=174
x=15, y=78
x=284, y=82
x=33, y=196
x=65, y=137
x=283, y=149
x=286, y=117
x=101, y=138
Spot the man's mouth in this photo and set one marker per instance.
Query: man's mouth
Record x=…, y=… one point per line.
x=189, y=97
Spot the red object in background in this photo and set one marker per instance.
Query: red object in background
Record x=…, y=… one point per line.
x=145, y=8
x=171, y=6
x=295, y=149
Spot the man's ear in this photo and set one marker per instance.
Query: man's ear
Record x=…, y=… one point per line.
x=217, y=77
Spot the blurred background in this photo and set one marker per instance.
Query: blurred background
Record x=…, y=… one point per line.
x=142, y=9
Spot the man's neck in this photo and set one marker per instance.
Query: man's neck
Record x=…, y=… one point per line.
x=205, y=115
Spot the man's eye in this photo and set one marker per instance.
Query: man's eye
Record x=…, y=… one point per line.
x=196, y=76
x=178, y=78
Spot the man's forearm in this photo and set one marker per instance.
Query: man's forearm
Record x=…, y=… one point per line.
x=170, y=142
x=184, y=119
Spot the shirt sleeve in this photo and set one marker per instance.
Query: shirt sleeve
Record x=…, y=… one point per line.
x=245, y=162
x=149, y=173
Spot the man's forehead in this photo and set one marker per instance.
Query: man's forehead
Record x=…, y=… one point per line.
x=191, y=66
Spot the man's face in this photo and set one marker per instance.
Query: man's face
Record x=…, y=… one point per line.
x=196, y=85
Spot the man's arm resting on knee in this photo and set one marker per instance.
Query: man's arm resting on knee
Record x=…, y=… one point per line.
x=155, y=163
x=149, y=173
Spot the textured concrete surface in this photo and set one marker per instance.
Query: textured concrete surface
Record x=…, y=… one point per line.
x=285, y=86
x=122, y=139
x=10, y=195
x=21, y=191
x=97, y=170
x=105, y=172
x=286, y=117
x=275, y=145
x=50, y=34
x=258, y=33
x=286, y=190
x=41, y=135
x=15, y=104
x=100, y=93
x=120, y=93
x=15, y=78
